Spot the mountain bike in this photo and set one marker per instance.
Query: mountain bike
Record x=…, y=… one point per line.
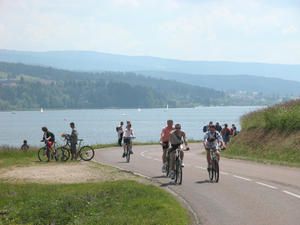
x=85, y=152
x=45, y=154
x=213, y=171
x=128, y=149
x=178, y=165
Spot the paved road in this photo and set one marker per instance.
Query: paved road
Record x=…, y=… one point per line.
x=247, y=193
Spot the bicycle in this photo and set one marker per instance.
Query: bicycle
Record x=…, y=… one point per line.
x=178, y=164
x=128, y=149
x=45, y=154
x=213, y=171
x=85, y=152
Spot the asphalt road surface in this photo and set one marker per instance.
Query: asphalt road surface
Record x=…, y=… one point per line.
x=247, y=193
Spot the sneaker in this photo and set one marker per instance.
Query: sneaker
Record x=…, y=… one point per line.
x=182, y=164
x=123, y=156
x=163, y=169
x=172, y=174
x=130, y=152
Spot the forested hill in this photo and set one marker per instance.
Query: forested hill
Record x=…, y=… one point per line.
x=30, y=87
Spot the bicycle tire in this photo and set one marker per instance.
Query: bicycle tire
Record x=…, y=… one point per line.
x=86, y=153
x=168, y=166
x=178, y=174
x=63, y=154
x=216, y=171
x=42, y=154
x=211, y=173
x=127, y=154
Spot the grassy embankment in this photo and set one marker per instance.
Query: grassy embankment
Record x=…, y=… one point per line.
x=270, y=135
x=111, y=202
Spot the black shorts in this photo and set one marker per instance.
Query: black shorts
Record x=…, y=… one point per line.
x=127, y=140
x=174, y=147
x=165, y=145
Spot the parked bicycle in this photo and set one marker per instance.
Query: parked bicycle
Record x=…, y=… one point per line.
x=58, y=154
x=85, y=152
x=128, y=149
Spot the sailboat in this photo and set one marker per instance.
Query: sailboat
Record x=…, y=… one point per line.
x=42, y=110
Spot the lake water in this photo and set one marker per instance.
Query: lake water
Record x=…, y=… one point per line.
x=98, y=126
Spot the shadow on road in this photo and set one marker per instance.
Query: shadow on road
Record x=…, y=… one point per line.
x=203, y=182
x=162, y=176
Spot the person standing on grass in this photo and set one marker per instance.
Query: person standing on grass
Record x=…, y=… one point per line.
x=120, y=132
x=25, y=146
x=73, y=141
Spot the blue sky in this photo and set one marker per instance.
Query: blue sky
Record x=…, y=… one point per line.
x=227, y=30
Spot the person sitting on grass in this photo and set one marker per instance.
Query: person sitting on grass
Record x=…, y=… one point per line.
x=24, y=146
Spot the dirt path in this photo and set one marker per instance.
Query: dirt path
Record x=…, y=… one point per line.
x=78, y=172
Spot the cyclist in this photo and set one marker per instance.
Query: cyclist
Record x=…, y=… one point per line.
x=164, y=140
x=212, y=140
x=49, y=139
x=177, y=137
x=73, y=141
x=128, y=134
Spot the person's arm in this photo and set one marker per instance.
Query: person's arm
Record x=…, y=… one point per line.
x=220, y=140
x=185, y=141
x=162, y=134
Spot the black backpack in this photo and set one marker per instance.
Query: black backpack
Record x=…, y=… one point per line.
x=204, y=129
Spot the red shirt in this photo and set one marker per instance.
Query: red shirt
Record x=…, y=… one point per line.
x=165, y=134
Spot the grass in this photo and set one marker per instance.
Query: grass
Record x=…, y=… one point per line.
x=14, y=157
x=270, y=135
x=115, y=203
x=119, y=202
x=283, y=116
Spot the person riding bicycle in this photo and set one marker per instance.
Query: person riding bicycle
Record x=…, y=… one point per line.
x=49, y=139
x=73, y=141
x=212, y=140
x=164, y=140
x=177, y=137
x=127, y=136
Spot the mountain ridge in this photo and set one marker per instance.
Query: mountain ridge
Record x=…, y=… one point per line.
x=99, y=61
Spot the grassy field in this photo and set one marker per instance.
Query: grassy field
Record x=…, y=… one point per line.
x=116, y=202
x=269, y=135
x=119, y=202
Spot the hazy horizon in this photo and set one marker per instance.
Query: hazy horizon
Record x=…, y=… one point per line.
x=258, y=31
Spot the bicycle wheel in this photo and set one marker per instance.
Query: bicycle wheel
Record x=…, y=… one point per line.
x=86, y=153
x=216, y=171
x=62, y=154
x=127, y=153
x=211, y=172
x=42, y=154
x=168, y=166
x=178, y=172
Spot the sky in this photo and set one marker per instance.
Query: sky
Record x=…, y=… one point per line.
x=210, y=30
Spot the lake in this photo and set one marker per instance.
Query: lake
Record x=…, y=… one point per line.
x=99, y=125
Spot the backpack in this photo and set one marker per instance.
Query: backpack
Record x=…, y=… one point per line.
x=117, y=129
x=204, y=129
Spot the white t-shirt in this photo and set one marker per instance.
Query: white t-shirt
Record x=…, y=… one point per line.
x=128, y=133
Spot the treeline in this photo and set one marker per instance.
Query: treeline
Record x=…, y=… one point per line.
x=33, y=87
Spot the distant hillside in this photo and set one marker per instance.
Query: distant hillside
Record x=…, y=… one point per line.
x=270, y=135
x=96, y=61
x=268, y=86
x=28, y=87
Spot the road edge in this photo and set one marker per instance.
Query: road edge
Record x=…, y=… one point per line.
x=194, y=217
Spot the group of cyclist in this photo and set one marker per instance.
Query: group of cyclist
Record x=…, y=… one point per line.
x=172, y=137
x=49, y=140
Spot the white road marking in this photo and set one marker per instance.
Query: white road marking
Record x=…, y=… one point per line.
x=267, y=185
x=242, y=178
x=200, y=167
x=292, y=194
